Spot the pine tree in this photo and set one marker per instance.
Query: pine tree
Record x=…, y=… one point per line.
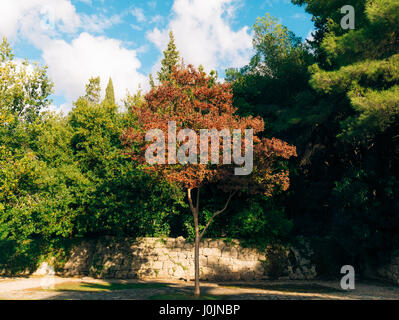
x=171, y=59
x=152, y=83
x=109, y=93
x=364, y=66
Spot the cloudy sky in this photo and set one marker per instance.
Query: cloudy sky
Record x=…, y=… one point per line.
x=124, y=39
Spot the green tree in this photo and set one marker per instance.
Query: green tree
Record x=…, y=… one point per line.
x=275, y=82
x=336, y=100
x=170, y=60
x=109, y=93
x=152, y=83
x=366, y=69
x=360, y=82
x=23, y=92
x=116, y=205
x=38, y=193
x=93, y=90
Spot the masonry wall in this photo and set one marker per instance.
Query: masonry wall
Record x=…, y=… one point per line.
x=170, y=258
x=390, y=271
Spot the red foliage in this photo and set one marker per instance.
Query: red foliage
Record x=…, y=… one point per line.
x=195, y=101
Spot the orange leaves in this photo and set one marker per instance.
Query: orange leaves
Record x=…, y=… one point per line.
x=276, y=147
x=195, y=101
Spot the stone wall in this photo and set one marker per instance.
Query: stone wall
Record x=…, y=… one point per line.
x=171, y=258
x=390, y=271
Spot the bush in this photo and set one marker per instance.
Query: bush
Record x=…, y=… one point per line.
x=276, y=262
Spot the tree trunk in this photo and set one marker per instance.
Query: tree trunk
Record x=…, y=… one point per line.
x=196, y=261
x=198, y=235
x=194, y=211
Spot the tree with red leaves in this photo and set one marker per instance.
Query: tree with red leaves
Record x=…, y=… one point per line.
x=190, y=99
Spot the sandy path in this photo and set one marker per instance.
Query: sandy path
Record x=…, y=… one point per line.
x=35, y=288
x=18, y=284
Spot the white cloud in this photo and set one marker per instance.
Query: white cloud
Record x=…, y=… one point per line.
x=64, y=108
x=300, y=16
x=138, y=14
x=33, y=19
x=44, y=22
x=70, y=65
x=37, y=20
x=22, y=64
x=310, y=35
x=135, y=27
x=156, y=19
x=269, y=3
x=98, y=23
x=204, y=35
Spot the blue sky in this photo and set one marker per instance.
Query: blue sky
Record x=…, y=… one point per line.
x=124, y=40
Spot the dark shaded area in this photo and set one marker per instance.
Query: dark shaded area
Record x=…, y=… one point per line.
x=111, y=286
x=294, y=287
x=345, y=181
x=225, y=291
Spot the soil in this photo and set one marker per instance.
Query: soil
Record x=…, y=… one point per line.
x=56, y=288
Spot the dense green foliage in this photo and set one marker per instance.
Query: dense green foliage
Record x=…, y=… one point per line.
x=63, y=177
x=335, y=97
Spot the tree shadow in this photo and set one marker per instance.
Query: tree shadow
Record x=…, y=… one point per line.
x=154, y=290
x=108, y=286
x=107, y=290
x=287, y=287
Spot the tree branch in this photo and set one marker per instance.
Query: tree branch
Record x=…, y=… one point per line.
x=217, y=213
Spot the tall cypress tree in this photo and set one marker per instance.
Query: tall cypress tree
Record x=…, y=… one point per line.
x=171, y=59
x=109, y=93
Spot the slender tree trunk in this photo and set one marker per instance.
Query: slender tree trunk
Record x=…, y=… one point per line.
x=194, y=211
x=198, y=235
x=196, y=260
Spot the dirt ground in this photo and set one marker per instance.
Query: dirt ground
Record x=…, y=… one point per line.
x=56, y=288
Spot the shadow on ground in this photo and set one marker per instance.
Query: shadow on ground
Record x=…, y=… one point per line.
x=180, y=291
x=294, y=287
x=95, y=289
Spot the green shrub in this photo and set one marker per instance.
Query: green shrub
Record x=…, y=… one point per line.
x=276, y=262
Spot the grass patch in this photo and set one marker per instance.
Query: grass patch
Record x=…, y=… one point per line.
x=104, y=287
x=182, y=296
